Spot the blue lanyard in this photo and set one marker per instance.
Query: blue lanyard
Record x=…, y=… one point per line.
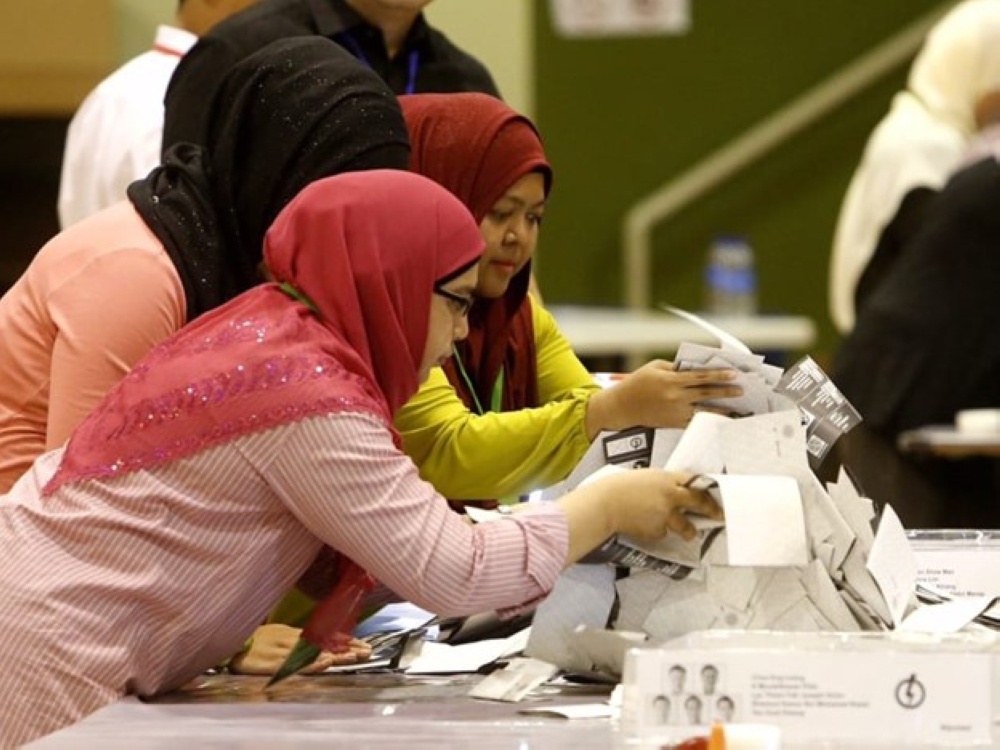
x=412, y=61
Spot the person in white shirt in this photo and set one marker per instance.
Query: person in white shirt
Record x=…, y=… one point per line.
x=114, y=137
x=912, y=152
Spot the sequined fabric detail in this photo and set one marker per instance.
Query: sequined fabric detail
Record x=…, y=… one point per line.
x=241, y=380
x=197, y=402
x=237, y=332
x=245, y=330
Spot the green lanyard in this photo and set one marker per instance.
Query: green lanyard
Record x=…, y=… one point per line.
x=496, y=400
x=295, y=294
x=496, y=405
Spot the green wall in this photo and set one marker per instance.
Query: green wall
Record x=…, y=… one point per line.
x=622, y=116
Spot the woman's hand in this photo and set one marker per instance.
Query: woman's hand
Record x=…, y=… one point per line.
x=645, y=503
x=650, y=503
x=657, y=395
x=271, y=644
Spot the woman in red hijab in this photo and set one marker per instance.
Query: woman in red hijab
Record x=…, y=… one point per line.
x=526, y=409
x=212, y=476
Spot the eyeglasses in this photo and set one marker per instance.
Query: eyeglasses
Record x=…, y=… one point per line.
x=461, y=305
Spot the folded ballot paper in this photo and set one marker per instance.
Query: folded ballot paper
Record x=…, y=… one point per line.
x=793, y=554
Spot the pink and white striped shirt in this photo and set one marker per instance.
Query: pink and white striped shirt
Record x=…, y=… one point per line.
x=138, y=583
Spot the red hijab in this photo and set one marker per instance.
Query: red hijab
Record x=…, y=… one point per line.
x=366, y=249
x=478, y=147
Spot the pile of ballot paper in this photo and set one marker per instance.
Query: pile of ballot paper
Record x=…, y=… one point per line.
x=793, y=553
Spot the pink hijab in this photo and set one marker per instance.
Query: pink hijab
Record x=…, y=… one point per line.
x=365, y=249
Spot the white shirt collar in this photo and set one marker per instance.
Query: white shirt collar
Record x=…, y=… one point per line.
x=171, y=39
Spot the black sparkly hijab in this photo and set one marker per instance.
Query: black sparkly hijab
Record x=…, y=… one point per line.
x=295, y=111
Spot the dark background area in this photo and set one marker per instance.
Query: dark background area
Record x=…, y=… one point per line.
x=30, y=158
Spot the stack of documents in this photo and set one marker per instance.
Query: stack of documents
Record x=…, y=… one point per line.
x=793, y=554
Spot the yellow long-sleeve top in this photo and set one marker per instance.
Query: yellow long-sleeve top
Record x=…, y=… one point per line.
x=498, y=454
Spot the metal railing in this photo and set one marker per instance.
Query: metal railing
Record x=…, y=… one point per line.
x=667, y=200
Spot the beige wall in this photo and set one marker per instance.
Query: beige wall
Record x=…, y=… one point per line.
x=52, y=52
x=501, y=34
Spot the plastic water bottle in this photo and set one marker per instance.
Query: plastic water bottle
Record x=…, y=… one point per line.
x=730, y=278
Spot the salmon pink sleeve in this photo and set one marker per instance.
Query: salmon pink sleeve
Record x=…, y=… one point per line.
x=108, y=314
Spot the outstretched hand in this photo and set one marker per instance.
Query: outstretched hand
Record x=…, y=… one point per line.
x=644, y=503
x=652, y=502
x=657, y=395
x=271, y=644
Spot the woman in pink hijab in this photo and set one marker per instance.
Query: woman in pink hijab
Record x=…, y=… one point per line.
x=214, y=474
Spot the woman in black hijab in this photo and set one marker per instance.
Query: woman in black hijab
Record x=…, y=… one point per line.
x=296, y=111
x=101, y=294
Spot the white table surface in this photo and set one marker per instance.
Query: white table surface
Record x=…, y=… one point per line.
x=434, y=716
x=376, y=712
x=610, y=331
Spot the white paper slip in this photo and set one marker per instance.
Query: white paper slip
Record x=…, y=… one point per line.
x=764, y=520
x=686, y=607
x=577, y=711
x=726, y=339
x=858, y=512
x=826, y=598
x=637, y=595
x=697, y=451
x=583, y=595
x=482, y=515
x=780, y=596
x=765, y=444
x=860, y=586
x=755, y=398
x=732, y=587
x=841, y=536
x=893, y=564
x=514, y=681
x=949, y=617
x=675, y=548
x=442, y=658
x=606, y=648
